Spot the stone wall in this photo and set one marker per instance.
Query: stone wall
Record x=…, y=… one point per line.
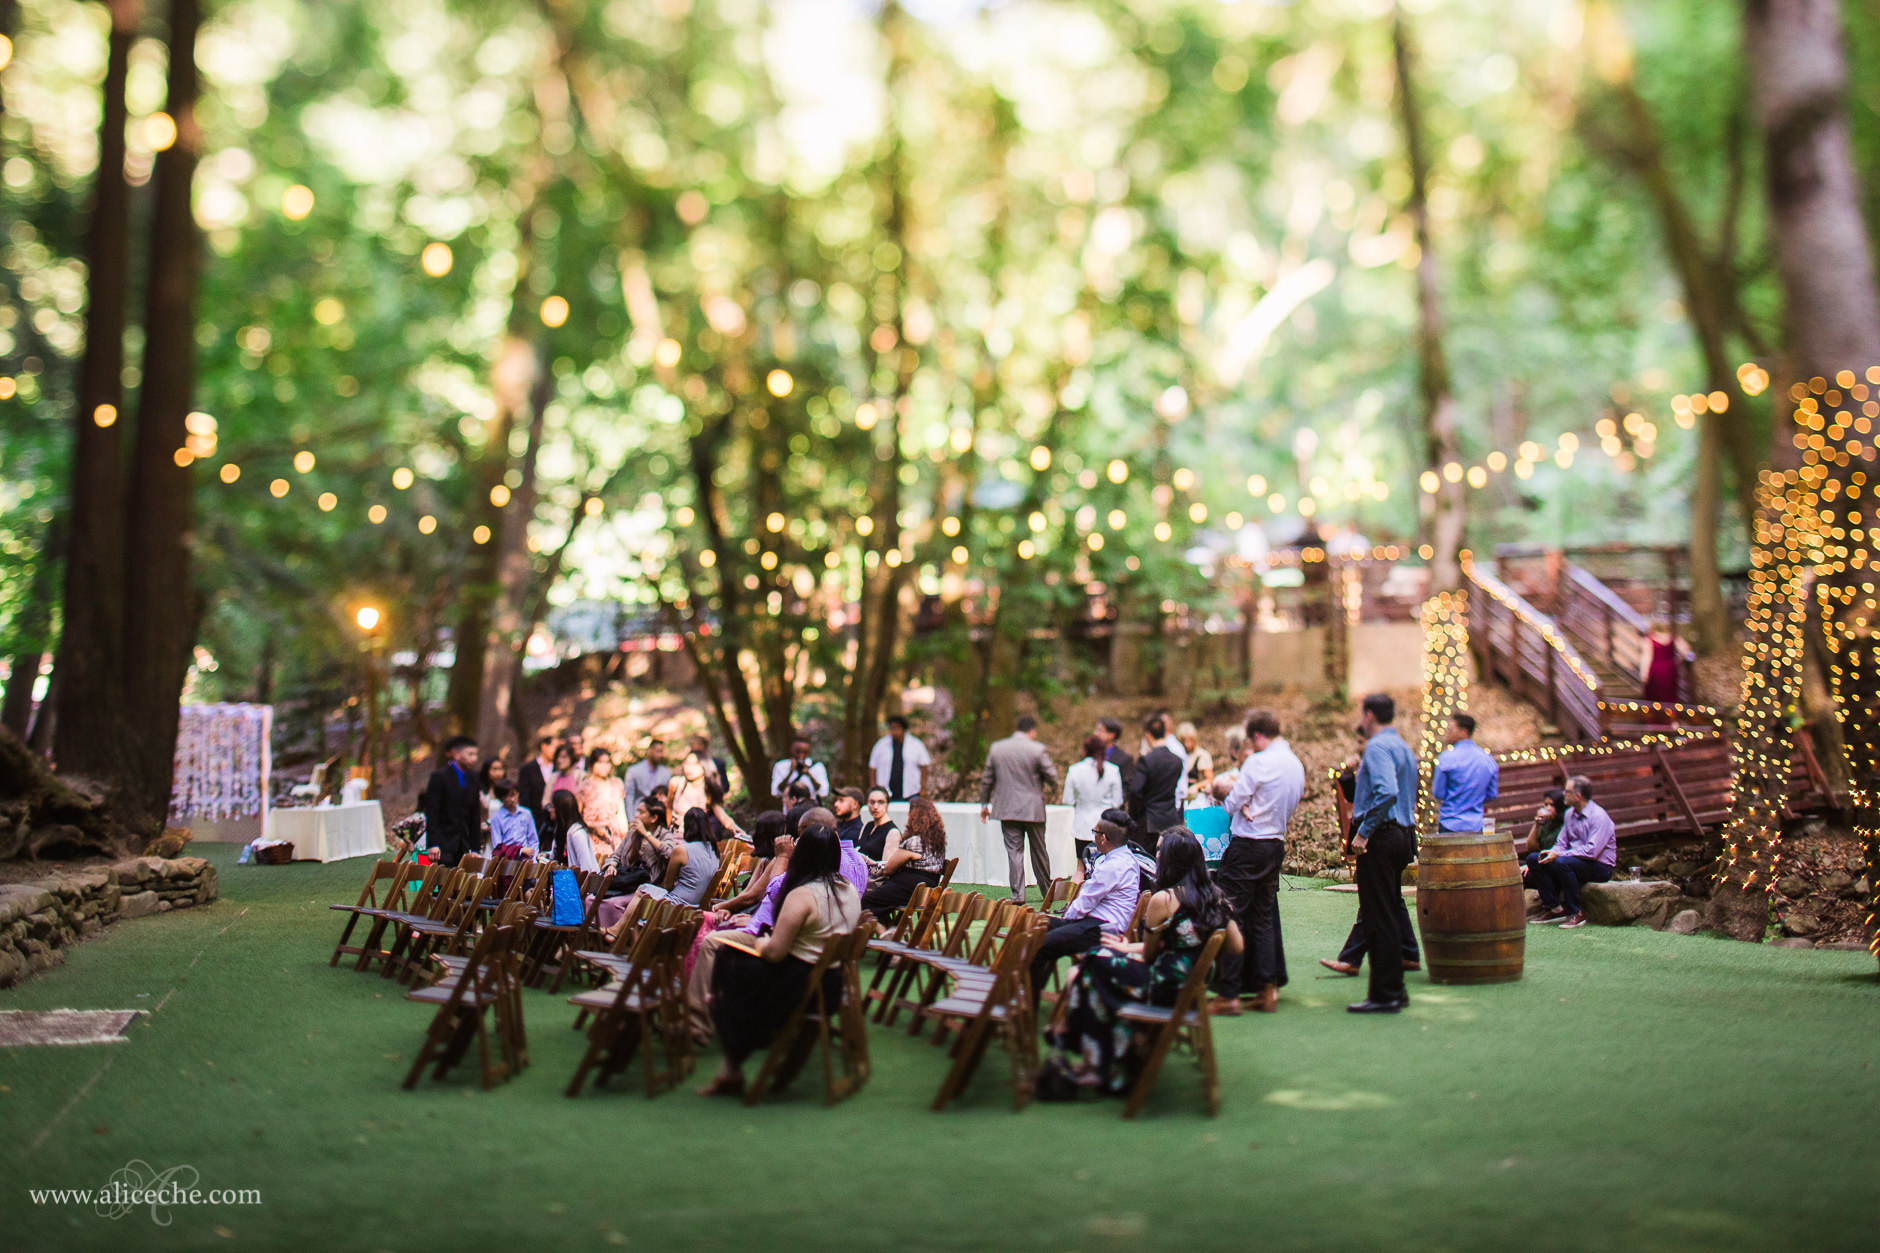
x=38, y=920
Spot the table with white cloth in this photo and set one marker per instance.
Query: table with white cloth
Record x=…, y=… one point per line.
x=330, y=832
x=980, y=846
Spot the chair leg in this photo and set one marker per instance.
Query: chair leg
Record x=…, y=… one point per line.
x=1151, y=1068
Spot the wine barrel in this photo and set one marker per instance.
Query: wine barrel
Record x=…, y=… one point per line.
x=1470, y=909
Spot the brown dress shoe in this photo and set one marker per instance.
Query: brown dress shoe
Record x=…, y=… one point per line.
x=1224, y=1007
x=1338, y=967
x=1267, y=1000
x=1410, y=965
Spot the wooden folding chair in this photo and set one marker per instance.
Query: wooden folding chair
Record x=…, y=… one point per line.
x=407, y=900
x=462, y=1004
x=629, y=1015
x=1187, y=1022
x=791, y=1046
x=730, y=865
x=1001, y=1006
x=1002, y=918
x=449, y=928
x=1134, y=933
x=555, y=944
x=944, y=940
x=384, y=889
x=509, y=1016
x=1061, y=892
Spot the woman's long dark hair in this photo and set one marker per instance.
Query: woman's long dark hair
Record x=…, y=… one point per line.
x=764, y=833
x=698, y=827
x=816, y=858
x=566, y=811
x=562, y=751
x=1181, y=867
x=1094, y=750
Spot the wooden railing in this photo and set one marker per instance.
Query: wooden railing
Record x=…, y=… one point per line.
x=1599, y=620
x=1518, y=645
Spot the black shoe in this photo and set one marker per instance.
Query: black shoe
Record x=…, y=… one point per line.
x=1378, y=1007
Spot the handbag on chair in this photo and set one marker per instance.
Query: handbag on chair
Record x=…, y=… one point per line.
x=568, y=909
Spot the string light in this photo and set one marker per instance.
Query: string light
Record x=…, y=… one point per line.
x=402, y=478
x=104, y=415
x=436, y=259
x=297, y=202
x=278, y=488
x=303, y=461
x=229, y=473
x=427, y=524
x=327, y=502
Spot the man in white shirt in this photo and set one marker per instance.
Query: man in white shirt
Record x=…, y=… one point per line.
x=899, y=761
x=1259, y=808
x=798, y=768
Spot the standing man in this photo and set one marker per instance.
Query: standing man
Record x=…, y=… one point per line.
x=1110, y=730
x=534, y=782
x=1465, y=780
x=1259, y=809
x=453, y=802
x=1012, y=790
x=1153, y=790
x=798, y=768
x=1586, y=852
x=1350, y=959
x=1106, y=906
x=899, y=761
x=646, y=777
x=1385, y=811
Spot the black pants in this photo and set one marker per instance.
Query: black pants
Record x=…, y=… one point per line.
x=1249, y=875
x=1558, y=881
x=885, y=899
x=1380, y=902
x=1066, y=938
x=1353, y=952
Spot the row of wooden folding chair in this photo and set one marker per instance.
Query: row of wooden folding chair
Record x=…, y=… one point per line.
x=976, y=954
x=993, y=1001
x=944, y=934
x=732, y=859
x=488, y=980
x=435, y=889
x=449, y=927
x=642, y=913
x=552, y=945
x=385, y=888
x=840, y=1031
x=1186, y=1022
x=642, y=1007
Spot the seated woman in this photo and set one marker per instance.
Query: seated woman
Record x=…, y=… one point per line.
x=1549, y=816
x=639, y=859
x=1092, y=1048
x=753, y=993
x=749, y=913
x=724, y=826
x=910, y=858
x=696, y=857
x=873, y=842
x=571, y=834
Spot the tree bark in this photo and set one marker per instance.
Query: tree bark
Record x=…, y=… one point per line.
x=1443, y=514
x=162, y=606
x=508, y=633
x=34, y=627
x=87, y=738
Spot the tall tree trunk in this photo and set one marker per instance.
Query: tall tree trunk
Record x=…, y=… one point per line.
x=34, y=627
x=1832, y=317
x=1443, y=514
x=162, y=606
x=509, y=634
x=512, y=379
x=87, y=738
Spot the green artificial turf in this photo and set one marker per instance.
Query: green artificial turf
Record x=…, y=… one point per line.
x=1636, y=1090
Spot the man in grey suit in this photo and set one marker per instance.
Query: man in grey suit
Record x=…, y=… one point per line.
x=1012, y=790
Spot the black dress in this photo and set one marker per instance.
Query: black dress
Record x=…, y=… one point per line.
x=874, y=840
x=751, y=997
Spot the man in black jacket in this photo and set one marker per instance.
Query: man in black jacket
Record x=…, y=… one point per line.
x=1157, y=781
x=534, y=782
x=1110, y=730
x=453, y=805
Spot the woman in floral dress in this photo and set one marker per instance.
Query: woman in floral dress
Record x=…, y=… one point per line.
x=1092, y=1048
x=603, y=799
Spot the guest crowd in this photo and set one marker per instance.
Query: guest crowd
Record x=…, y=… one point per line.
x=1147, y=819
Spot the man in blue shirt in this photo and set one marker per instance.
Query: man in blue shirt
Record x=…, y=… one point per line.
x=1104, y=906
x=1384, y=810
x=511, y=824
x=1465, y=780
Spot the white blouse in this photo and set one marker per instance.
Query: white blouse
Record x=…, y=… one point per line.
x=1089, y=795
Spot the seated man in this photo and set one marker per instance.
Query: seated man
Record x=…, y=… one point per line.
x=1106, y=905
x=1586, y=852
x=512, y=828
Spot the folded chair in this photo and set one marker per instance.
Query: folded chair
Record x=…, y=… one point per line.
x=643, y=1008
x=1184, y=1022
x=998, y=1005
x=846, y=1022
x=384, y=889
x=462, y=1005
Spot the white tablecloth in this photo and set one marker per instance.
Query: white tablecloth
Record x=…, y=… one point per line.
x=332, y=832
x=980, y=846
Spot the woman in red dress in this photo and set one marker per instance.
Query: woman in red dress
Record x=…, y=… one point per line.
x=1659, y=665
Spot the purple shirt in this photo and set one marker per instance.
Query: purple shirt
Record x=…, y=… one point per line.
x=1589, y=833
x=854, y=869
x=1110, y=892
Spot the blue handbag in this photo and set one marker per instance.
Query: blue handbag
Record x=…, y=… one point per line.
x=568, y=910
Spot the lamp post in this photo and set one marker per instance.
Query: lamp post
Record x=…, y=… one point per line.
x=368, y=619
